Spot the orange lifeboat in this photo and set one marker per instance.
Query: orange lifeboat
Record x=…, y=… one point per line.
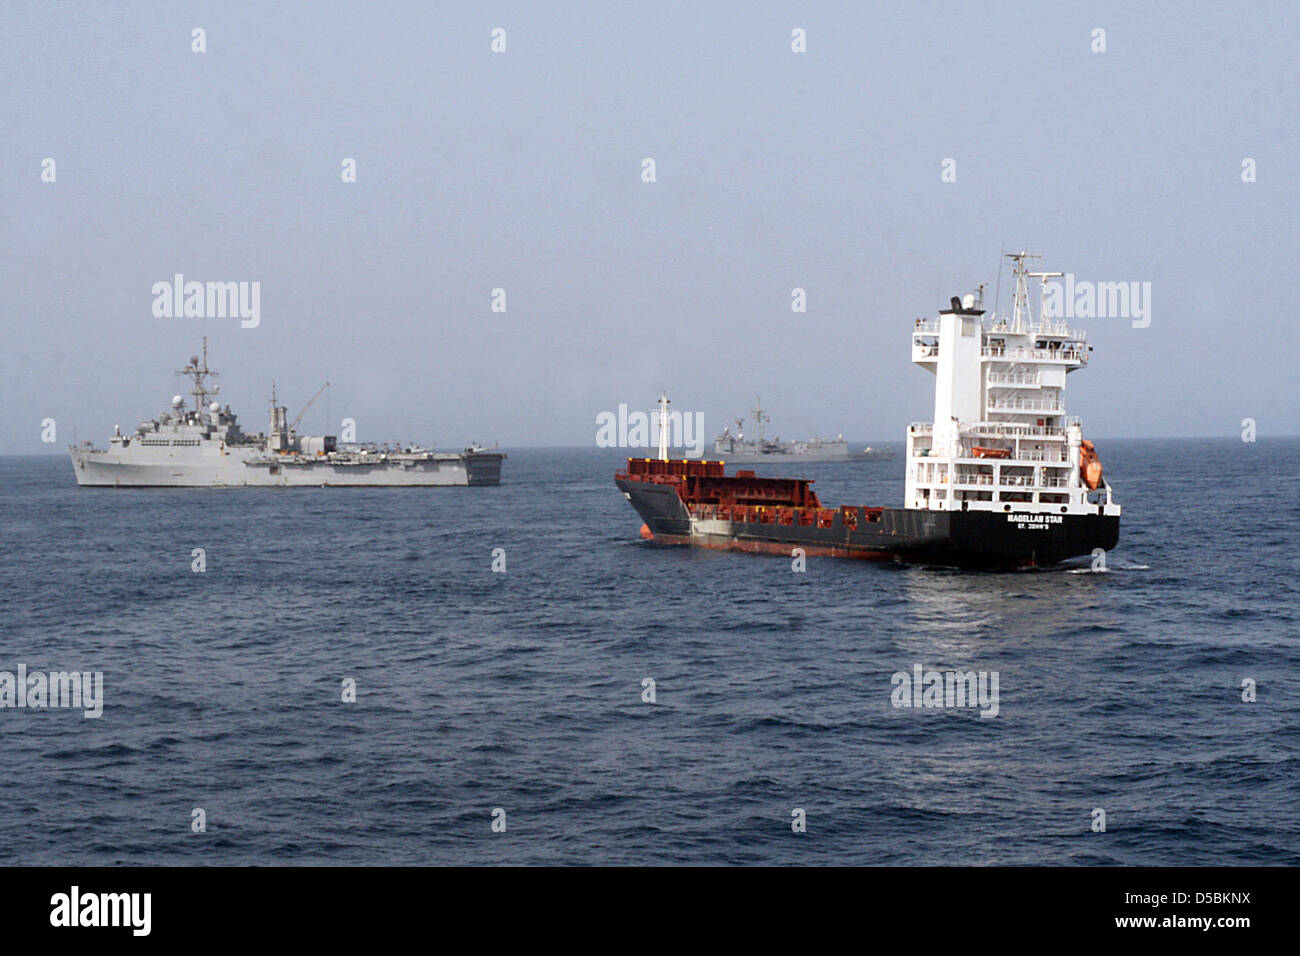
x=1089, y=465
x=646, y=533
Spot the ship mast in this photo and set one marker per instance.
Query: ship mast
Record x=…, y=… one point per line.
x=1042, y=278
x=663, y=426
x=279, y=435
x=759, y=417
x=1021, y=310
x=198, y=370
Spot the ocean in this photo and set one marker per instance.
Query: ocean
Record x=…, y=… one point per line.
x=485, y=697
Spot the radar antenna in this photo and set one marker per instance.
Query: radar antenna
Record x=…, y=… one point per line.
x=198, y=372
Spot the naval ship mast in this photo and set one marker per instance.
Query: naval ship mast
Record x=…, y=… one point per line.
x=199, y=373
x=760, y=416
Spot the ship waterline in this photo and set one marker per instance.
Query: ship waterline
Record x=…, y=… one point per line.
x=697, y=504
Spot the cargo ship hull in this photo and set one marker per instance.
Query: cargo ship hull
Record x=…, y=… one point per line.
x=693, y=513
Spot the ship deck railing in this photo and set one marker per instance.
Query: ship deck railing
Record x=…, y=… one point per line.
x=1027, y=404
x=1000, y=430
x=1011, y=429
x=1006, y=481
x=1058, y=328
x=1033, y=454
x=1020, y=353
x=996, y=429
x=1015, y=378
x=1029, y=459
x=1019, y=482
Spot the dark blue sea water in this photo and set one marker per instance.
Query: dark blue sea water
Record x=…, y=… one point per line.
x=476, y=690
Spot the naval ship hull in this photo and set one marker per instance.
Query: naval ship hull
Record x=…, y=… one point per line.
x=966, y=539
x=229, y=469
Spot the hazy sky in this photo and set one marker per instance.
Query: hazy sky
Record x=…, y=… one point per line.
x=523, y=170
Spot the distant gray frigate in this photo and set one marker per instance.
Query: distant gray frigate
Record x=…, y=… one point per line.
x=203, y=446
x=739, y=450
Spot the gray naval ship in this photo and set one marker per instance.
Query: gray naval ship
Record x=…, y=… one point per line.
x=203, y=446
x=740, y=450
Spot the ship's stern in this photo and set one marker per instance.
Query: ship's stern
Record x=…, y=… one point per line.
x=483, y=468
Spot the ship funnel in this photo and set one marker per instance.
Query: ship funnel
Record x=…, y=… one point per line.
x=962, y=306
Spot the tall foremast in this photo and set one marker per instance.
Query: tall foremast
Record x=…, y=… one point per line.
x=760, y=417
x=663, y=426
x=198, y=373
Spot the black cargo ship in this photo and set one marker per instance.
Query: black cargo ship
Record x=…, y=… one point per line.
x=690, y=502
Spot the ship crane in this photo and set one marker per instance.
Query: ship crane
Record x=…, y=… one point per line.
x=320, y=391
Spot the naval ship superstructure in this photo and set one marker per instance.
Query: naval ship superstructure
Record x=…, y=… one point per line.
x=1001, y=478
x=740, y=450
x=203, y=445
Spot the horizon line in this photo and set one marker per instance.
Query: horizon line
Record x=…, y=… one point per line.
x=897, y=441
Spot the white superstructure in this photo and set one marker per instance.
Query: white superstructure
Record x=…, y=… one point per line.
x=1000, y=439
